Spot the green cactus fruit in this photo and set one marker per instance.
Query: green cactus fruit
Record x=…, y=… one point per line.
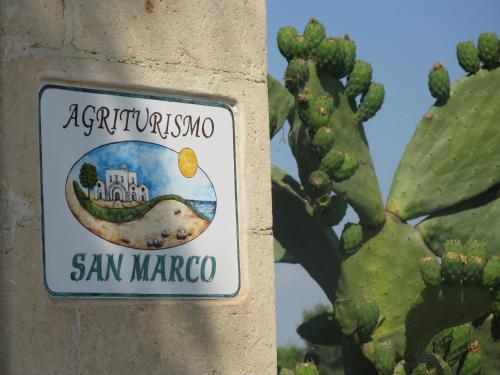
x=475, y=248
x=320, y=182
x=441, y=343
x=384, y=358
x=460, y=339
x=495, y=303
x=489, y=49
x=368, y=315
x=468, y=57
x=332, y=162
x=473, y=270
x=304, y=99
x=314, y=33
x=349, y=55
x=323, y=140
x=351, y=238
x=297, y=70
x=371, y=102
x=330, y=55
x=348, y=168
x=335, y=212
x=308, y=368
x=439, y=82
x=430, y=269
x=472, y=361
x=359, y=79
x=324, y=200
x=451, y=267
x=287, y=38
x=320, y=110
x=424, y=369
x=453, y=246
x=491, y=275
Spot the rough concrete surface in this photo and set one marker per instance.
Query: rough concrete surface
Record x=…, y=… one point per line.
x=210, y=49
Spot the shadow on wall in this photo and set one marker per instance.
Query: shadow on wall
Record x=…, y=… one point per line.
x=39, y=334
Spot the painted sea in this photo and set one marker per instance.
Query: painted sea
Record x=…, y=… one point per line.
x=207, y=208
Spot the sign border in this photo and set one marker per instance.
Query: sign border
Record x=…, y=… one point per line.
x=74, y=295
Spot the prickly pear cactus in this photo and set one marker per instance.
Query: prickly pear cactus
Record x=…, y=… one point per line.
x=407, y=299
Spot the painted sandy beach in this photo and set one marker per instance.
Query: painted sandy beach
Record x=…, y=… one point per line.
x=164, y=216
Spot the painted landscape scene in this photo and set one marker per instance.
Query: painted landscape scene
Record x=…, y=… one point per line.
x=141, y=195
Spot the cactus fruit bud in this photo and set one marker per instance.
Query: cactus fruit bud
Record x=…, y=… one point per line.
x=320, y=110
x=297, y=71
x=453, y=246
x=332, y=162
x=287, y=38
x=475, y=248
x=371, y=102
x=320, y=182
x=460, y=339
x=491, y=275
x=451, y=267
x=439, y=82
x=368, y=315
x=472, y=361
x=348, y=168
x=468, y=57
x=424, y=369
x=330, y=55
x=350, y=56
x=430, y=269
x=314, y=34
x=323, y=140
x=335, y=212
x=473, y=270
x=359, y=80
x=384, y=358
x=489, y=49
x=307, y=368
x=351, y=238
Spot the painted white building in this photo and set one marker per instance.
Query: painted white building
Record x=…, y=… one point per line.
x=121, y=185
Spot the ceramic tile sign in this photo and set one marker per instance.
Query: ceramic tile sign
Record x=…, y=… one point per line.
x=138, y=195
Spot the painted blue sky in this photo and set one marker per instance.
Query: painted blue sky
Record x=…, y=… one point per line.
x=156, y=167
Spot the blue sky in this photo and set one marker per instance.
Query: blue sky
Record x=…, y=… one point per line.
x=156, y=167
x=402, y=40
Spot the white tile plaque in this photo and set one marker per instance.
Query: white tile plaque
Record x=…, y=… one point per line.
x=138, y=195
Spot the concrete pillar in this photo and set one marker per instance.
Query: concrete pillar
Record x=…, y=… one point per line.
x=213, y=50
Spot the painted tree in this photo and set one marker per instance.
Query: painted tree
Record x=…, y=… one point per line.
x=406, y=299
x=88, y=176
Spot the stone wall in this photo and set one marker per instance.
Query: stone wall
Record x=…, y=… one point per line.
x=202, y=49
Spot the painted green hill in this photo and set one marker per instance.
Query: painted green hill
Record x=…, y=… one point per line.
x=127, y=214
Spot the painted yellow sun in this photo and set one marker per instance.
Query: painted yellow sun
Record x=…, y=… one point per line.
x=188, y=163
